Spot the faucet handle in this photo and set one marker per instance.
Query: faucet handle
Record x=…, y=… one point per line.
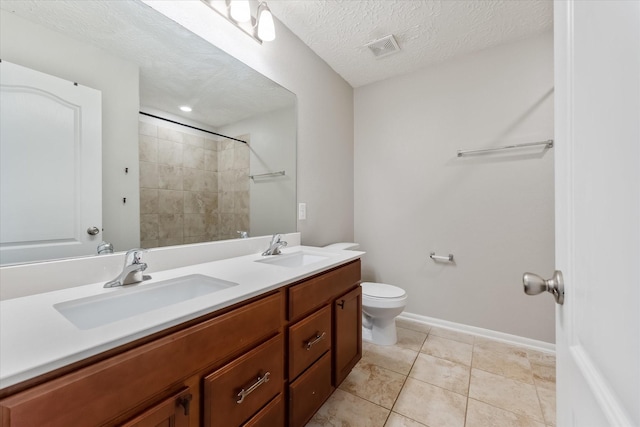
x=133, y=256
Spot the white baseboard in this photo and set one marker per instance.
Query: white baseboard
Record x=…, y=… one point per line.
x=481, y=332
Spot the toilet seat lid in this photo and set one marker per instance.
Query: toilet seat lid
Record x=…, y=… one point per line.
x=382, y=290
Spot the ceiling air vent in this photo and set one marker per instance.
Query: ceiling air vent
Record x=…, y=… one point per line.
x=384, y=46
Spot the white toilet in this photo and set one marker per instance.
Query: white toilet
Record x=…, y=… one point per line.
x=381, y=304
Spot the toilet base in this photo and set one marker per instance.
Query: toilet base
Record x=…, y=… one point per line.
x=382, y=332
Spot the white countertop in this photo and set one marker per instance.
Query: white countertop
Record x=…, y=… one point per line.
x=35, y=338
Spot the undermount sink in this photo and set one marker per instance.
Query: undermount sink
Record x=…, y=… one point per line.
x=296, y=259
x=94, y=311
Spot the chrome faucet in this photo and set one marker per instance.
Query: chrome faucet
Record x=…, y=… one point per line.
x=275, y=245
x=132, y=270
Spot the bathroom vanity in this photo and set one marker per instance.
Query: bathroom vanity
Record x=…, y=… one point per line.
x=270, y=359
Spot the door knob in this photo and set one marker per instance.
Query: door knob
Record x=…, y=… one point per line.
x=534, y=285
x=93, y=230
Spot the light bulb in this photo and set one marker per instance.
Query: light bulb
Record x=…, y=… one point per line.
x=240, y=11
x=185, y=108
x=266, y=27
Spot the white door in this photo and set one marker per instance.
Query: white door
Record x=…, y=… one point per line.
x=597, y=90
x=51, y=166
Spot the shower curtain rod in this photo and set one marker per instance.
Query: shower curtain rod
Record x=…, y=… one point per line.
x=192, y=127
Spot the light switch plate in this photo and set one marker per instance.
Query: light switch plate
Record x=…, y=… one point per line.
x=302, y=211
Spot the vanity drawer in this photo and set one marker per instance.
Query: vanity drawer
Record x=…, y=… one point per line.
x=312, y=293
x=271, y=415
x=259, y=374
x=308, y=340
x=96, y=394
x=308, y=393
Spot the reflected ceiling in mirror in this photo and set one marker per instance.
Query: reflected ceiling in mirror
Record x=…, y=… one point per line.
x=178, y=68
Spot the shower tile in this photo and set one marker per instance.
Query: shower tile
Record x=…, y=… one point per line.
x=148, y=149
x=169, y=152
x=194, y=225
x=242, y=223
x=226, y=225
x=480, y=414
x=241, y=179
x=452, y=335
x=225, y=160
x=227, y=180
x=194, y=202
x=171, y=241
x=193, y=179
x=441, y=372
x=211, y=181
x=149, y=227
x=148, y=175
x=193, y=140
x=510, y=365
x=241, y=156
x=413, y=325
x=210, y=160
x=193, y=157
x=148, y=244
x=345, y=409
x=373, y=383
x=227, y=144
x=397, y=420
x=505, y=393
x=394, y=358
x=412, y=340
x=211, y=144
x=431, y=405
x=196, y=239
x=170, y=202
x=170, y=134
x=241, y=202
x=453, y=351
x=170, y=227
x=544, y=376
x=227, y=199
x=145, y=128
x=148, y=201
x=210, y=202
x=170, y=177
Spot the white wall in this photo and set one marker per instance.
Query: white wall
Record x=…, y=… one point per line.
x=272, y=148
x=39, y=48
x=494, y=212
x=325, y=114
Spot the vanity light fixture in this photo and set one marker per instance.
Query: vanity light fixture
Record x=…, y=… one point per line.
x=238, y=12
x=186, y=108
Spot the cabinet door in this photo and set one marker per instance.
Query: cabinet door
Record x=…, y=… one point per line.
x=172, y=412
x=347, y=333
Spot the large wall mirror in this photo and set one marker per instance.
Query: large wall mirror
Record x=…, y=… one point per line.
x=168, y=177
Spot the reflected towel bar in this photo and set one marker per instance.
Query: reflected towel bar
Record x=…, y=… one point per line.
x=448, y=258
x=266, y=175
x=547, y=144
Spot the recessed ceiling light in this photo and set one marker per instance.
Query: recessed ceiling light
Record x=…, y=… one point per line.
x=185, y=108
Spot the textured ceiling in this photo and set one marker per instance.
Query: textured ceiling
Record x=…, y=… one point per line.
x=428, y=31
x=176, y=66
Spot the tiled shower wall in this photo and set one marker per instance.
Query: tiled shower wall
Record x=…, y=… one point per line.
x=192, y=188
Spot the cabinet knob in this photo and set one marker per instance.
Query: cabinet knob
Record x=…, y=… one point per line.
x=341, y=304
x=185, y=402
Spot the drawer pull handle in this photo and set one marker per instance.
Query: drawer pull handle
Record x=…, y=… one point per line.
x=315, y=340
x=244, y=393
x=185, y=402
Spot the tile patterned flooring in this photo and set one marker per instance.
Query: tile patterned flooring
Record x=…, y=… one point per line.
x=435, y=377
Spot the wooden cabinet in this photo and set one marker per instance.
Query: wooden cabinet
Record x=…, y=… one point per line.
x=325, y=337
x=172, y=412
x=284, y=352
x=347, y=324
